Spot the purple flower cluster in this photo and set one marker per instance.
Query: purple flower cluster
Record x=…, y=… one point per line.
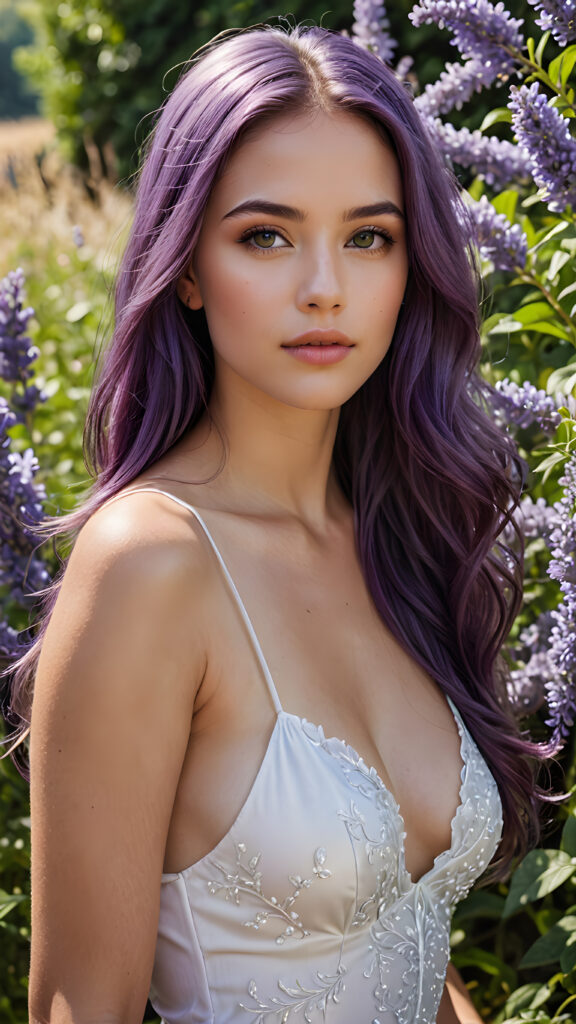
x=370, y=28
x=479, y=28
x=16, y=349
x=497, y=161
x=546, y=653
x=22, y=572
x=522, y=405
x=545, y=136
x=557, y=17
x=498, y=240
x=561, y=687
x=456, y=85
x=21, y=498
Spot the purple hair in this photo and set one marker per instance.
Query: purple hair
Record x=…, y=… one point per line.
x=431, y=479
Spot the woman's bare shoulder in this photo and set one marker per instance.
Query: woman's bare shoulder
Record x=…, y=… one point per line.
x=138, y=569
x=144, y=536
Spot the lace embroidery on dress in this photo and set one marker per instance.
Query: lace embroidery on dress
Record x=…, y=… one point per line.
x=383, y=847
x=298, y=999
x=247, y=880
x=416, y=930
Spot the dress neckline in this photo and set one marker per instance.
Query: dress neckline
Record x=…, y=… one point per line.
x=341, y=750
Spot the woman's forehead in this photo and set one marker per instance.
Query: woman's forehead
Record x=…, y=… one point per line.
x=303, y=157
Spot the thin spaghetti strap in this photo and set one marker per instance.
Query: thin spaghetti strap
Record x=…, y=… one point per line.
x=233, y=589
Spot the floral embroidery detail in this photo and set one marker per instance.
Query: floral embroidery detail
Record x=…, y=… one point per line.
x=411, y=949
x=247, y=880
x=378, y=852
x=297, y=998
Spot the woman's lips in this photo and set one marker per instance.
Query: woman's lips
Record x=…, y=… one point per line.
x=320, y=346
x=320, y=354
x=320, y=336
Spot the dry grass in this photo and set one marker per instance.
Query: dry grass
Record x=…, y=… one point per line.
x=42, y=201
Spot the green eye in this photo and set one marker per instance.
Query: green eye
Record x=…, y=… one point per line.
x=264, y=239
x=364, y=239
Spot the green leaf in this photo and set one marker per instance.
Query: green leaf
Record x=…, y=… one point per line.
x=533, y=312
x=548, y=327
x=8, y=901
x=507, y=325
x=541, y=46
x=491, y=321
x=541, y=871
x=567, y=291
x=78, y=311
x=480, y=904
x=568, y=958
x=528, y=997
x=563, y=379
x=559, y=260
x=568, y=841
x=487, y=962
x=506, y=203
x=558, y=228
x=549, y=948
x=561, y=67
x=497, y=116
x=547, y=465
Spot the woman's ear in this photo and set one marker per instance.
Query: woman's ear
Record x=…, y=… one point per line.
x=188, y=290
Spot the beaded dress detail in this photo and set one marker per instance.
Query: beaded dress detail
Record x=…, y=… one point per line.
x=305, y=913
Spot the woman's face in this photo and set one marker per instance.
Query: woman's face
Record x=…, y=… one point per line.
x=303, y=232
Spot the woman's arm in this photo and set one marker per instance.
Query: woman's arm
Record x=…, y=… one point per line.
x=456, y=1007
x=120, y=666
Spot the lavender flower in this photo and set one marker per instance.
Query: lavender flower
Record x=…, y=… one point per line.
x=497, y=161
x=522, y=405
x=9, y=644
x=526, y=686
x=535, y=518
x=370, y=28
x=479, y=28
x=21, y=497
x=557, y=17
x=16, y=349
x=545, y=136
x=78, y=236
x=546, y=654
x=498, y=240
x=456, y=85
x=527, y=683
x=561, y=688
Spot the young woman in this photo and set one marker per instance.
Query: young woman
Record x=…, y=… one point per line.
x=268, y=749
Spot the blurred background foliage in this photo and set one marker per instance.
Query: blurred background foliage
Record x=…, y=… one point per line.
x=97, y=70
x=102, y=67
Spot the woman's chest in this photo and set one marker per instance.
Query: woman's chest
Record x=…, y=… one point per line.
x=333, y=663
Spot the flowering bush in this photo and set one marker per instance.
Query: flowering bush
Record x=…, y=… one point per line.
x=514, y=943
x=521, y=194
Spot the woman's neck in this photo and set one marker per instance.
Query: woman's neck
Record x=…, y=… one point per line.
x=278, y=459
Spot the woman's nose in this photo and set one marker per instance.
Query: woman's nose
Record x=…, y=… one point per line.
x=321, y=285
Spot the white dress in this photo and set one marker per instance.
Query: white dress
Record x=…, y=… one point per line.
x=304, y=913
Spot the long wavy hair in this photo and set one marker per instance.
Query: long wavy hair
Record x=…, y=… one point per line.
x=431, y=480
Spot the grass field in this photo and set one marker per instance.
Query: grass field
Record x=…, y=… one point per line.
x=45, y=204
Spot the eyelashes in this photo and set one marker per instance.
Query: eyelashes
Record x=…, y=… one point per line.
x=247, y=238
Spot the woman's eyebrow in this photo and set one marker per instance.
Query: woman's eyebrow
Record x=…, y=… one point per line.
x=386, y=206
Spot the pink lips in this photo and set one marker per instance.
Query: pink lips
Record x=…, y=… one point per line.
x=320, y=347
x=319, y=337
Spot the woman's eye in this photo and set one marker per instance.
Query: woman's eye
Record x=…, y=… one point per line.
x=367, y=238
x=263, y=238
